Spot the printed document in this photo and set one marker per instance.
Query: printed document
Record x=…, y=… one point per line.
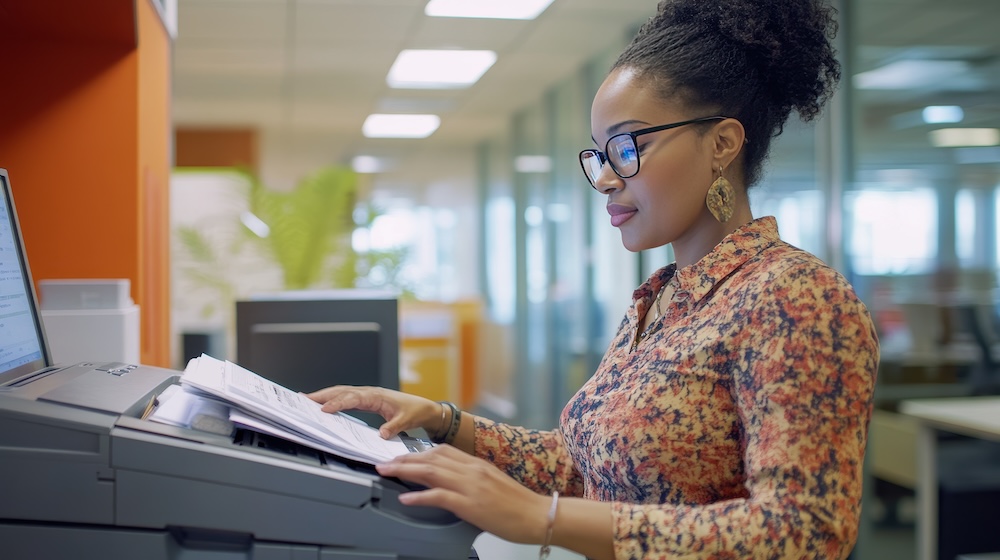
x=264, y=406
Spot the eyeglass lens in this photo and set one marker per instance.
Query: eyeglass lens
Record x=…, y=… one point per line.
x=592, y=164
x=622, y=153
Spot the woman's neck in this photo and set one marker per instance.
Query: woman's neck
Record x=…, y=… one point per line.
x=701, y=239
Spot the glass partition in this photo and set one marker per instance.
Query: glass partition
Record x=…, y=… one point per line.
x=921, y=224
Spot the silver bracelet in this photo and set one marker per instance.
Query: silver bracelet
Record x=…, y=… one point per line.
x=440, y=433
x=543, y=552
x=456, y=422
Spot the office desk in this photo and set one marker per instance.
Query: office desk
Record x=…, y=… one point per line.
x=972, y=416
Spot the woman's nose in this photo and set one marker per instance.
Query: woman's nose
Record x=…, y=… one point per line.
x=608, y=181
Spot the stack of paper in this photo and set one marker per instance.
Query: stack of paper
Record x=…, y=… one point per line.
x=264, y=406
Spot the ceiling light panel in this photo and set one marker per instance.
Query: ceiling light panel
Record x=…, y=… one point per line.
x=909, y=74
x=962, y=137
x=439, y=69
x=381, y=125
x=938, y=114
x=498, y=9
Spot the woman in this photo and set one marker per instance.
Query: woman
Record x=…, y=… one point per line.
x=728, y=418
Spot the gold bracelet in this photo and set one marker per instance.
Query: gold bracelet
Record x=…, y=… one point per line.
x=543, y=552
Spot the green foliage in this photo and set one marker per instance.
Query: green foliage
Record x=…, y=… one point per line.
x=197, y=246
x=201, y=267
x=310, y=227
x=308, y=239
x=381, y=269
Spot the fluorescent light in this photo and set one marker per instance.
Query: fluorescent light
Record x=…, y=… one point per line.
x=400, y=126
x=907, y=74
x=533, y=164
x=938, y=114
x=934, y=114
x=439, y=68
x=367, y=164
x=958, y=137
x=500, y=9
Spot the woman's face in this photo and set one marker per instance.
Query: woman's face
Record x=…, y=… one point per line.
x=665, y=201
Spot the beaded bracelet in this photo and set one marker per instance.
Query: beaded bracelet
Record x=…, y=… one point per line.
x=543, y=552
x=456, y=422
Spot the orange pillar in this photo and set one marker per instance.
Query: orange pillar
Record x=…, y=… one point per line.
x=85, y=136
x=155, y=137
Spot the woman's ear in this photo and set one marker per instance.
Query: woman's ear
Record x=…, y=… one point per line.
x=728, y=139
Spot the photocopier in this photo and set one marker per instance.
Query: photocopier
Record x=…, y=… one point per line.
x=84, y=476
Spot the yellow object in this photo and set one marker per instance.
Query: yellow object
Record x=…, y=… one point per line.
x=439, y=350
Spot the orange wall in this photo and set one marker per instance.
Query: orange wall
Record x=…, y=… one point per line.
x=69, y=145
x=90, y=189
x=153, y=178
x=216, y=147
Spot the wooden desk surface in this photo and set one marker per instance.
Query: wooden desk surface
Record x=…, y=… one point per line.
x=973, y=416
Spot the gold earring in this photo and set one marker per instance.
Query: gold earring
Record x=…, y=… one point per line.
x=721, y=199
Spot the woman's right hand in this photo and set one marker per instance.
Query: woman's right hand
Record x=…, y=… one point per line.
x=401, y=411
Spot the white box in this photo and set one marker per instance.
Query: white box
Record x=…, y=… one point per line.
x=84, y=335
x=113, y=293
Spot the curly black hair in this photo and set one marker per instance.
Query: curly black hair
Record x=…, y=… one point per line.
x=754, y=60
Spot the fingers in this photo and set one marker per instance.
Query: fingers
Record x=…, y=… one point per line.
x=421, y=473
x=325, y=395
x=433, y=497
x=346, y=397
x=442, y=466
x=401, y=411
x=444, y=489
x=472, y=489
x=391, y=428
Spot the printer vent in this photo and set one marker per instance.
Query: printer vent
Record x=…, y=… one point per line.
x=257, y=440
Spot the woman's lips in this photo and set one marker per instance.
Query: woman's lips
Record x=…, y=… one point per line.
x=620, y=214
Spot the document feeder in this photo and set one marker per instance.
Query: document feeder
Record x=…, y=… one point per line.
x=82, y=476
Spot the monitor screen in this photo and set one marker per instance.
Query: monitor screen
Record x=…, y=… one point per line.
x=309, y=340
x=22, y=343
x=309, y=356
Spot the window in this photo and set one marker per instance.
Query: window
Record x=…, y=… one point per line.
x=894, y=232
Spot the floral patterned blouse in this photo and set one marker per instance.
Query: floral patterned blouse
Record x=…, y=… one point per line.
x=736, y=428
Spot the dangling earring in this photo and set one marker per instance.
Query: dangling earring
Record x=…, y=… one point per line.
x=721, y=199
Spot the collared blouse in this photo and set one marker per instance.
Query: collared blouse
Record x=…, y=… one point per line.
x=736, y=427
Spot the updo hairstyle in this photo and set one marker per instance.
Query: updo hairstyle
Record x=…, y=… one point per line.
x=753, y=60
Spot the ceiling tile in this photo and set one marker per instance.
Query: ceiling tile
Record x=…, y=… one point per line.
x=195, y=61
x=229, y=23
x=355, y=25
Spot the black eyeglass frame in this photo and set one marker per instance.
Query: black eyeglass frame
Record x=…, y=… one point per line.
x=603, y=156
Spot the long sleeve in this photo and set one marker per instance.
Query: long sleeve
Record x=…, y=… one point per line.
x=803, y=368
x=537, y=459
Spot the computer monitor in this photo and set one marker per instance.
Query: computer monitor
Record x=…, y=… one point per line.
x=308, y=340
x=23, y=348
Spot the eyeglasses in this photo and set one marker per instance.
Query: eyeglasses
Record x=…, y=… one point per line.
x=622, y=152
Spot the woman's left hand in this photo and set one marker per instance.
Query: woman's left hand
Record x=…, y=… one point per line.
x=474, y=490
